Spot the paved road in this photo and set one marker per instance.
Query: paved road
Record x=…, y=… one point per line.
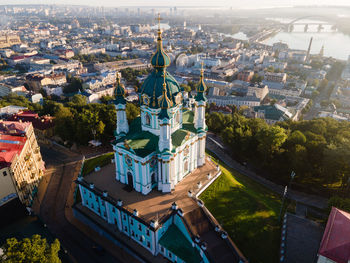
x=215, y=145
x=52, y=211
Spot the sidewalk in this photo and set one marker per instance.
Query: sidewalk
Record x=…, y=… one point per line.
x=310, y=200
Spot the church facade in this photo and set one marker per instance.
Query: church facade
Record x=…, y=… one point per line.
x=167, y=141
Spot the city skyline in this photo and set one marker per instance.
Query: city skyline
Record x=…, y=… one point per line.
x=224, y=3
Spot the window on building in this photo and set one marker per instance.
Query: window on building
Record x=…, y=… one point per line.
x=147, y=119
x=147, y=232
x=131, y=222
x=140, y=239
x=124, y=217
x=104, y=214
x=113, y=209
x=162, y=249
x=170, y=255
x=125, y=229
x=96, y=198
x=140, y=227
x=102, y=202
x=90, y=195
x=4, y=173
x=148, y=244
x=132, y=233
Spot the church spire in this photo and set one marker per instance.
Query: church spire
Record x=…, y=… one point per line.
x=201, y=87
x=164, y=103
x=160, y=59
x=119, y=92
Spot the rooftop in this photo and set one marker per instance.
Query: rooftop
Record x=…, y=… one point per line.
x=9, y=147
x=155, y=204
x=144, y=143
x=335, y=243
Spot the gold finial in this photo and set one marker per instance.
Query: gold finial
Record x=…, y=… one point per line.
x=202, y=69
x=158, y=19
x=118, y=79
x=164, y=83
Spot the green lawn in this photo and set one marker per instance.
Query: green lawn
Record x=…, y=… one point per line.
x=90, y=164
x=248, y=212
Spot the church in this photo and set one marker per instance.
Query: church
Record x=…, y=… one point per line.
x=167, y=141
x=148, y=198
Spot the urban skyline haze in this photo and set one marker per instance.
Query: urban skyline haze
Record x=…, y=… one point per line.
x=234, y=3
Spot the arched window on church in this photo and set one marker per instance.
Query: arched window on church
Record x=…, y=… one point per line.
x=147, y=119
x=177, y=118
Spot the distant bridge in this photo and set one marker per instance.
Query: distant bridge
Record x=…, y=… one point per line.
x=290, y=26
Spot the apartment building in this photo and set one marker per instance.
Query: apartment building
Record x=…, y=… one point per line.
x=21, y=164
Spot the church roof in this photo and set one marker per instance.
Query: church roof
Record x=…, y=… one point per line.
x=160, y=59
x=119, y=92
x=153, y=85
x=175, y=241
x=143, y=143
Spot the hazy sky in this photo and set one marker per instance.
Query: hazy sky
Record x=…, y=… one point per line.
x=233, y=3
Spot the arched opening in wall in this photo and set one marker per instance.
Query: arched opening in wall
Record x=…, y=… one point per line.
x=186, y=167
x=147, y=119
x=130, y=185
x=153, y=179
x=177, y=118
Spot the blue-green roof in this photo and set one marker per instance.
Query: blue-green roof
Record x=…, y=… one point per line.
x=153, y=87
x=160, y=59
x=175, y=241
x=119, y=93
x=144, y=143
x=201, y=88
x=274, y=112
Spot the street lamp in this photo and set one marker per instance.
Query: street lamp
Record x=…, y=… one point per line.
x=292, y=175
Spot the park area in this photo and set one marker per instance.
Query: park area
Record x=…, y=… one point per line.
x=248, y=212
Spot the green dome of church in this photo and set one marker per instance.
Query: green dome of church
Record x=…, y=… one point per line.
x=152, y=87
x=160, y=59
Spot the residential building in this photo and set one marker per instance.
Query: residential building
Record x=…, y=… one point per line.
x=245, y=75
x=272, y=113
x=275, y=77
x=21, y=165
x=8, y=40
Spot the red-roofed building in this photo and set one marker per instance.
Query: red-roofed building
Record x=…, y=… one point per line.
x=335, y=244
x=43, y=126
x=21, y=165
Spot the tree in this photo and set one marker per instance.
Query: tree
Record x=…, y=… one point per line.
x=256, y=78
x=79, y=100
x=132, y=111
x=30, y=250
x=75, y=85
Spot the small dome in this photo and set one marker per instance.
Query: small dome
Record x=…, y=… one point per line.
x=119, y=92
x=160, y=59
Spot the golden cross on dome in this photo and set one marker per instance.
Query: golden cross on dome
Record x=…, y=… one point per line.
x=158, y=19
x=202, y=68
